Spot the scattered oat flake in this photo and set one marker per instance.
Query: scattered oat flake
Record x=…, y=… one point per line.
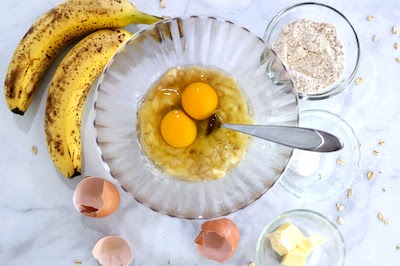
x=380, y=171
x=163, y=4
x=374, y=38
x=350, y=193
x=398, y=247
x=370, y=175
x=398, y=60
x=394, y=29
x=384, y=189
x=381, y=217
x=381, y=142
x=396, y=45
x=340, y=220
x=34, y=150
x=78, y=262
x=339, y=207
x=387, y=221
x=376, y=152
x=341, y=161
x=358, y=81
x=251, y=264
x=370, y=18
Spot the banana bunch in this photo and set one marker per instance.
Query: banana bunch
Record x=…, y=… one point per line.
x=100, y=21
x=52, y=32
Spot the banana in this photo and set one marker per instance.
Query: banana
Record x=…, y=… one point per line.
x=52, y=32
x=67, y=93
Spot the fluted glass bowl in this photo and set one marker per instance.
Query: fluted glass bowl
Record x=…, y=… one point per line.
x=319, y=12
x=211, y=43
x=310, y=223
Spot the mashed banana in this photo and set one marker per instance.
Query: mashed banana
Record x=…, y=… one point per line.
x=208, y=157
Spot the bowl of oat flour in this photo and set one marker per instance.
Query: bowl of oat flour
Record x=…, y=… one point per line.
x=318, y=45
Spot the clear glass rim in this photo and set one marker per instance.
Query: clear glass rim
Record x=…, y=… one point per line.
x=304, y=212
x=94, y=107
x=357, y=160
x=338, y=88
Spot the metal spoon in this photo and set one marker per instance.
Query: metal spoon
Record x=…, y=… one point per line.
x=296, y=137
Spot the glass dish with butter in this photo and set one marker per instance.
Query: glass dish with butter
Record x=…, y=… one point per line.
x=298, y=238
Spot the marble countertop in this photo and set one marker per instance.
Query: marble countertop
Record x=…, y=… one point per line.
x=40, y=226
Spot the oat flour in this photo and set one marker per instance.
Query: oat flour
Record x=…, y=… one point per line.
x=313, y=53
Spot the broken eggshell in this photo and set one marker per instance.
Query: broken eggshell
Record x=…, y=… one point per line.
x=113, y=251
x=96, y=197
x=218, y=239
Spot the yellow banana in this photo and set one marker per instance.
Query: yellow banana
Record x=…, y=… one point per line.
x=67, y=94
x=53, y=31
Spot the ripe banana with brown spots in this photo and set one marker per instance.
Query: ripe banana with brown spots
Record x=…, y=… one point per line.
x=67, y=93
x=52, y=32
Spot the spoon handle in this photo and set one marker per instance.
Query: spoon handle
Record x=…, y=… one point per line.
x=295, y=137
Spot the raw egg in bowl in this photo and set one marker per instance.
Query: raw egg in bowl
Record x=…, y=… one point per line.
x=152, y=104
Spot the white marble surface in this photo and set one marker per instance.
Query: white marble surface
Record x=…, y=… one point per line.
x=39, y=225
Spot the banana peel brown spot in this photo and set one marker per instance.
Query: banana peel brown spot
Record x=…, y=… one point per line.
x=10, y=82
x=31, y=29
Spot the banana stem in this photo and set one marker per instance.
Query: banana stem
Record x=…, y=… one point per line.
x=144, y=18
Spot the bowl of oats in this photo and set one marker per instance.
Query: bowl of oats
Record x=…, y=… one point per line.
x=318, y=45
x=152, y=106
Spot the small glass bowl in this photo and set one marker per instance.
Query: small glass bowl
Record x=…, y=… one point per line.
x=310, y=223
x=321, y=13
x=315, y=176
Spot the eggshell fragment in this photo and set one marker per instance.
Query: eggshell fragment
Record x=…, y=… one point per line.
x=113, y=251
x=96, y=197
x=218, y=239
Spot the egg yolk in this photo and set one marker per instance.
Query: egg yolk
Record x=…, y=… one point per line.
x=177, y=129
x=199, y=100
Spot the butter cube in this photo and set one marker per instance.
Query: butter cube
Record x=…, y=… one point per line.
x=285, y=238
x=284, y=226
x=296, y=257
x=307, y=245
x=281, y=242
